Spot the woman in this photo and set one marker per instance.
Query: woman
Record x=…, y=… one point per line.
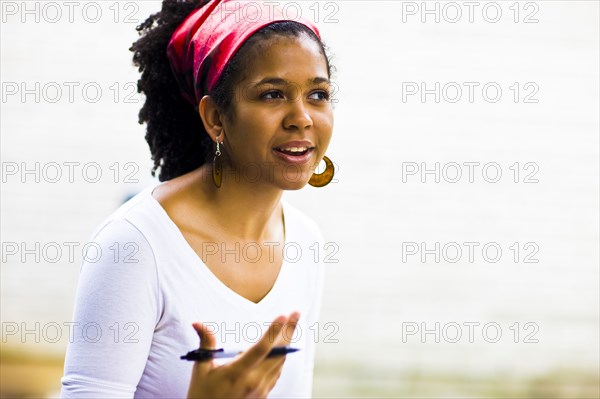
x=237, y=110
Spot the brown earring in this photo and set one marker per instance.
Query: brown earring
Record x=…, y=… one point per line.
x=323, y=179
x=217, y=170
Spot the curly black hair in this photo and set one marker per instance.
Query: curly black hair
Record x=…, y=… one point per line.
x=174, y=131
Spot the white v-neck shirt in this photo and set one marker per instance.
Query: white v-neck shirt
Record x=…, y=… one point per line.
x=141, y=286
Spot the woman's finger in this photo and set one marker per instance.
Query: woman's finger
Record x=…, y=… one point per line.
x=270, y=368
x=289, y=328
x=207, y=341
x=273, y=366
x=274, y=377
x=259, y=351
x=266, y=380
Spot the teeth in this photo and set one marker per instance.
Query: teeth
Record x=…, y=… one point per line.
x=295, y=149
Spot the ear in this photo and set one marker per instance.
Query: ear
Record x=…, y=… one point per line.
x=211, y=118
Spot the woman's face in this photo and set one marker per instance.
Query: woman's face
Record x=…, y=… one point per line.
x=282, y=117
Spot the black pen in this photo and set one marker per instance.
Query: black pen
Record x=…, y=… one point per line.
x=206, y=354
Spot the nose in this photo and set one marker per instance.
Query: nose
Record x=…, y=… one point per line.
x=297, y=117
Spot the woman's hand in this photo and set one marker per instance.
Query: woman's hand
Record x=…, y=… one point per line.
x=251, y=374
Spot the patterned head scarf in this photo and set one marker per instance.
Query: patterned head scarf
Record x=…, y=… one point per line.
x=209, y=37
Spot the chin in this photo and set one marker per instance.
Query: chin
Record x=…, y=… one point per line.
x=296, y=188
x=293, y=185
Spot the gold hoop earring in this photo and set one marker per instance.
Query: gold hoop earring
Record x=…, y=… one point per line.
x=323, y=179
x=217, y=169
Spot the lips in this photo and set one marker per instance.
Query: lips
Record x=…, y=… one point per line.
x=295, y=152
x=296, y=147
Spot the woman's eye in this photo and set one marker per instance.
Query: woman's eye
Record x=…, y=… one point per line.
x=321, y=95
x=272, y=95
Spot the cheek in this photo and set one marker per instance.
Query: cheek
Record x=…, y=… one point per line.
x=325, y=128
x=250, y=140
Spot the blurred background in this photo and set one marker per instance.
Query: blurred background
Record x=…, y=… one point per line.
x=464, y=217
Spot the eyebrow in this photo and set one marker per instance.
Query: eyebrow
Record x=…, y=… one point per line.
x=282, y=82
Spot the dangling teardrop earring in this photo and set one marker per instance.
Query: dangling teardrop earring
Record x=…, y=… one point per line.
x=323, y=179
x=217, y=170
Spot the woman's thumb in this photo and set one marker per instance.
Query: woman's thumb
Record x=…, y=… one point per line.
x=207, y=341
x=207, y=338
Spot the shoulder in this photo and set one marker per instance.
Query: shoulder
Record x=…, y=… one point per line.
x=125, y=221
x=126, y=230
x=119, y=263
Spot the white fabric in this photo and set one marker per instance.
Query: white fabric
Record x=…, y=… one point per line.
x=140, y=288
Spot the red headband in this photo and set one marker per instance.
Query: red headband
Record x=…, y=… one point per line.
x=209, y=37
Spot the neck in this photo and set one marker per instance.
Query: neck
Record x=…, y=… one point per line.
x=246, y=210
